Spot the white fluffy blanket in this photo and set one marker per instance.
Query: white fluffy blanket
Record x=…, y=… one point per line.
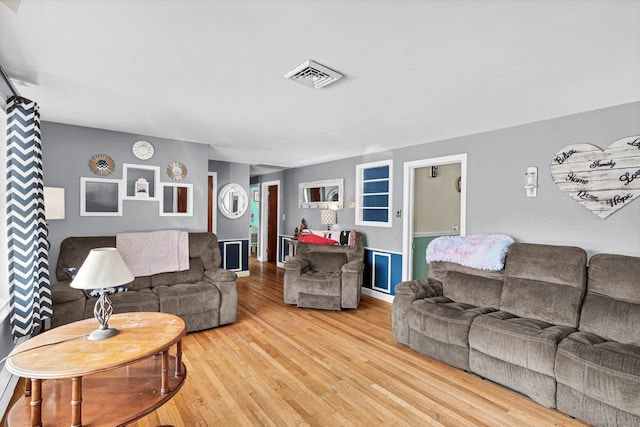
x=481, y=251
x=154, y=252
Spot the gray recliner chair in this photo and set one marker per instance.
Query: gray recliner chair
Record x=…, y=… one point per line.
x=325, y=277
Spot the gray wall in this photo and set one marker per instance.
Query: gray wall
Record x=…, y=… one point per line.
x=496, y=201
x=66, y=153
x=237, y=228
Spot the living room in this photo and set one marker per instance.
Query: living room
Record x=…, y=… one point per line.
x=501, y=125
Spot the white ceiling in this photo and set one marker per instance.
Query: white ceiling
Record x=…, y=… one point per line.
x=415, y=71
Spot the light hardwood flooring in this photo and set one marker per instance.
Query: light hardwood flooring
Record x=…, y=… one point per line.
x=284, y=366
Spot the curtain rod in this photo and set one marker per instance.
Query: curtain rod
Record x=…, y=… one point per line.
x=6, y=79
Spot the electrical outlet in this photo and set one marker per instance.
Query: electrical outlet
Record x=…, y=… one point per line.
x=398, y=213
x=455, y=227
x=352, y=205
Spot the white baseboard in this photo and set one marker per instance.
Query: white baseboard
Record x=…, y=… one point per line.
x=8, y=383
x=378, y=295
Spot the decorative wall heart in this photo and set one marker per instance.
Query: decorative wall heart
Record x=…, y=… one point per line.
x=601, y=181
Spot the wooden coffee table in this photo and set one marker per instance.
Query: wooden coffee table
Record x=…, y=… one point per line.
x=73, y=381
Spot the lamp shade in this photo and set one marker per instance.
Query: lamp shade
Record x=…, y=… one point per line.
x=328, y=217
x=103, y=268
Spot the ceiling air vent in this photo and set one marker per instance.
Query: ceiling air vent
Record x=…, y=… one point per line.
x=312, y=74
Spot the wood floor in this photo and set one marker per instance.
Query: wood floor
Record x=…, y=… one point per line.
x=285, y=366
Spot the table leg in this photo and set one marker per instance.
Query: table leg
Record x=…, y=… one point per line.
x=179, y=371
x=76, y=402
x=36, y=402
x=27, y=387
x=165, y=372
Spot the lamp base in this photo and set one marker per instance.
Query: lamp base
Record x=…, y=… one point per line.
x=101, y=334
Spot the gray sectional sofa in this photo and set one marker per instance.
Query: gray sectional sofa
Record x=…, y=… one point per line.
x=547, y=326
x=204, y=296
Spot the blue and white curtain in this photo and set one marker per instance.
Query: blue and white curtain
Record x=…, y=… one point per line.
x=28, y=248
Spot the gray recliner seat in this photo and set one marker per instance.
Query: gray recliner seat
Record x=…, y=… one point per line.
x=326, y=277
x=598, y=367
x=540, y=305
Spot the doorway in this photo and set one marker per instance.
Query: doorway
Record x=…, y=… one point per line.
x=434, y=194
x=212, y=201
x=269, y=223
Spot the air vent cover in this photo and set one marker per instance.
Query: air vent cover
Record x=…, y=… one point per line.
x=312, y=74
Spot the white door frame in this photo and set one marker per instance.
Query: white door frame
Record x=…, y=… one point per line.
x=214, y=202
x=264, y=216
x=408, y=204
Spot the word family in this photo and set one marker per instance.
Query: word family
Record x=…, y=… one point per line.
x=599, y=164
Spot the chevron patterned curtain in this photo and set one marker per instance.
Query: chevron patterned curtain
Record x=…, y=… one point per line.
x=28, y=250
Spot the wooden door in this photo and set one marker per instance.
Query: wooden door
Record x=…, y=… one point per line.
x=272, y=225
x=210, y=211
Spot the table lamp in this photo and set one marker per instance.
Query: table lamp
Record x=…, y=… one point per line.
x=104, y=268
x=328, y=217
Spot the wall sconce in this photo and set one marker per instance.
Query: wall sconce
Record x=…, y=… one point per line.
x=53, y=203
x=328, y=217
x=531, y=181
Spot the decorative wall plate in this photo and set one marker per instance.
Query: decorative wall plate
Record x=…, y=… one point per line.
x=602, y=181
x=143, y=150
x=101, y=164
x=176, y=171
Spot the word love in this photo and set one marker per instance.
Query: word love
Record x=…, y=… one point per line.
x=627, y=178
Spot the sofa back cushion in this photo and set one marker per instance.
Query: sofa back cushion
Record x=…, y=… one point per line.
x=471, y=289
x=304, y=250
x=545, y=282
x=611, y=308
x=195, y=273
x=327, y=261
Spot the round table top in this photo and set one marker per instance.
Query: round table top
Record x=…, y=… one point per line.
x=65, y=351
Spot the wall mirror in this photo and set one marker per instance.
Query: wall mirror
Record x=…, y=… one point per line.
x=233, y=201
x=177, y=199
x=321, y=194
x=100, y=197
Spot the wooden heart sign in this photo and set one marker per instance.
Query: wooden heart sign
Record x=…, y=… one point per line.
x=601, y=181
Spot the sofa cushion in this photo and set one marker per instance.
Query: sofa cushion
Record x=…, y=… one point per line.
x=327, y=261
x=195, y=273
x=320, y=283
x=443, y=319
x=605, y=371
x=187, y=298
x=125, y=302
x=545, y=282
x=529, y=343
x=611, y=308
x=473, y=290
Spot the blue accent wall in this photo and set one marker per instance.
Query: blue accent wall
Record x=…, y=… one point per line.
x=382, y=270
x=235, y=254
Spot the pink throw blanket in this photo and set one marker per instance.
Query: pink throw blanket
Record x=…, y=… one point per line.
x=154, y=252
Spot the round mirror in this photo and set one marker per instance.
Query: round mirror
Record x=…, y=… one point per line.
x=233, y=201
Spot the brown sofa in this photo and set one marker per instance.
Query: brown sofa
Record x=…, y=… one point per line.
x=205, y=296
x=531, y=328
x=326, y=277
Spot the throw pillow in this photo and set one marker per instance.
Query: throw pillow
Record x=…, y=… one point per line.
x=94, y=293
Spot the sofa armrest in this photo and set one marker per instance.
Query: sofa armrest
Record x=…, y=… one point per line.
x=297, y=264
x=355, y=267
x=421, y=288
x=220, y=275
x=406, y=293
